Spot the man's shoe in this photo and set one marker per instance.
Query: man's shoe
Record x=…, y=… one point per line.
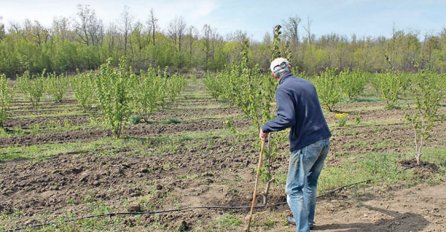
x=293, y=222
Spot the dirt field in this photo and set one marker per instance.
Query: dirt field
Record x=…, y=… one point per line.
x=64, y=164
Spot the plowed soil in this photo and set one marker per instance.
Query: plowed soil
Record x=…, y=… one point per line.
x=214, y=171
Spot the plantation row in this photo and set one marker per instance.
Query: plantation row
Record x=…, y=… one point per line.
x=120, y=93
x=422, y=92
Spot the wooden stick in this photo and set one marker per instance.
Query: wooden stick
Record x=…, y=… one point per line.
x=268, y=172
x=255, y=185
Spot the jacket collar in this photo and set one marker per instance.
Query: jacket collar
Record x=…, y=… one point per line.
x=285, y=76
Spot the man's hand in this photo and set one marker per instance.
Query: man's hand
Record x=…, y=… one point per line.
x=263, y=135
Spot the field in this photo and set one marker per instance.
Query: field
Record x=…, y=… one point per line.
x=59, y=164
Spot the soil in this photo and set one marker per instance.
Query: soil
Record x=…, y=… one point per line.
x=44, y=121
x=214, y=171
x=133, y=131
x=66, y=181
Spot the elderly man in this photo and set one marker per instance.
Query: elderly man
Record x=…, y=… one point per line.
x=298, y=108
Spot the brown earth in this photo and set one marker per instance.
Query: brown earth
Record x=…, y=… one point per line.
x=66, y=182
x=421, y=208
x=133, y=131
x=26, y=123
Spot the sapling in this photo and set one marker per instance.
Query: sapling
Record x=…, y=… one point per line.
x=83, y=86
x=56, y=86
x=5, y=99
x=428, y=94
x=113, y=93
x=390, y=86
x=32, y=87
x=328, y=88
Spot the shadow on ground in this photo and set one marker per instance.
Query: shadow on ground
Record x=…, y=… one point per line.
x=399, y=222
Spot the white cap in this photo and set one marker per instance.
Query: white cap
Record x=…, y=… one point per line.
x=277, y=62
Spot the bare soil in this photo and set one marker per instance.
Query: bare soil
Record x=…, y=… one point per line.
x=132, y=131
x=215, y=171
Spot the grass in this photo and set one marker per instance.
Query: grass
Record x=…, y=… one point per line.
x=228, y=220
x=41, y=152
x=380, y=169
x=108, y=146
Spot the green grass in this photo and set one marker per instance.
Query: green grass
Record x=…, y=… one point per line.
x=41, y=152
x=380, y=169
x=69, y=221
x=228, y=220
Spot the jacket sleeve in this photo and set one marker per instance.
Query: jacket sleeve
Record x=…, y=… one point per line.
x=286, y=116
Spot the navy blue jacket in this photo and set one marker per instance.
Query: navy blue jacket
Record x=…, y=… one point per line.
x=298, y=108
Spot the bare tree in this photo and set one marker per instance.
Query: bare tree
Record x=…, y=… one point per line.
x=36, y=32
x=292, y=30
x=207, y=36
x=210, y=39
x=61, y=28
x=192, y=36
x=126, y=26
x=152, y=24
x=112, y=36
x=307, y=29
x=176, y=31
x=89, y=29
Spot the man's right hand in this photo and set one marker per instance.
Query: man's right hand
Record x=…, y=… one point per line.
x=263, y=135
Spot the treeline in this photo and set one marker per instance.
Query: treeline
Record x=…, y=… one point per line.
x=85, y=43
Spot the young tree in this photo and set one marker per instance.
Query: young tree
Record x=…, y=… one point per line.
x=428, y=94
x=5, y=99
x=114, y=96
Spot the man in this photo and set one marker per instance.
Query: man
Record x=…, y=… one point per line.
x=298, y=108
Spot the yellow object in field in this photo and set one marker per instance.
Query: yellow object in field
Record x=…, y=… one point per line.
x=341, y=115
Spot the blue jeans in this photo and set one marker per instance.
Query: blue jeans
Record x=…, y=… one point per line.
x=305, y=167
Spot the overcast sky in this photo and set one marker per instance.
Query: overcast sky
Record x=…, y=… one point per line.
x=344, y=17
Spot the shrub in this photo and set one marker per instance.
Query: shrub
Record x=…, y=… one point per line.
x=113, y=93
x=56, y=86
x=32, y=87
x=428, y=94
x=5, y=99
x=328, y=88
x=83, y=86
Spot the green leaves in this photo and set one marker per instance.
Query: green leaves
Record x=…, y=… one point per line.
x=32, y=87
x=83, y=86
x=328, y=86
x=122, y=93
x=390, y=86
x=5, y=99
x=113, y=94
x=352, y=83
x=152, y=88
x=428, y=92
x=56, y=86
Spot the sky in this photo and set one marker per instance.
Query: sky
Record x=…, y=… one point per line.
x=344, y=17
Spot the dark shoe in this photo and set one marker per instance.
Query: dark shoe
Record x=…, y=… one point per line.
x=293, y=222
